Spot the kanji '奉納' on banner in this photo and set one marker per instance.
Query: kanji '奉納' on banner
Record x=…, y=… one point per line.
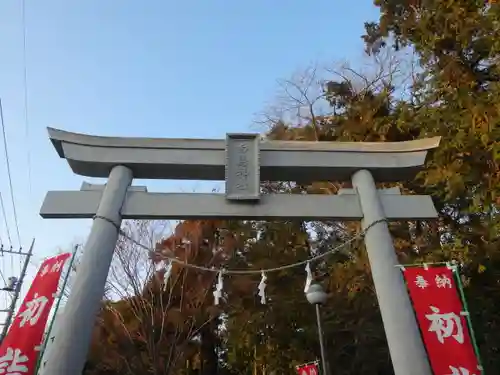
x=441, y=318
x=20, y=348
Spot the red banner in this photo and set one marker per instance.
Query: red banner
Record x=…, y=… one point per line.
x=20, y=348
x=308, y=369
x=440, y=315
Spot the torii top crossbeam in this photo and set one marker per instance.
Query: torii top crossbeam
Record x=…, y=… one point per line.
x=204, y=159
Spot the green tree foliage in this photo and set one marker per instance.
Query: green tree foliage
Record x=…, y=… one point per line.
x=457, y=97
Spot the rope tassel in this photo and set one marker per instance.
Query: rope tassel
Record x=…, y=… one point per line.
x=262, y=288
x=166, y=275
x=218, y=288
x=309, y=277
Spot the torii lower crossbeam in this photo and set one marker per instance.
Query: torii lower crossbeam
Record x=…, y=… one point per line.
x=161, y=206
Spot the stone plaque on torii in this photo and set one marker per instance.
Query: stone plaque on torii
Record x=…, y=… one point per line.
x=243, y=161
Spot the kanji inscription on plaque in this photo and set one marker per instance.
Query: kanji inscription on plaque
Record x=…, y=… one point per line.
x=242, y=167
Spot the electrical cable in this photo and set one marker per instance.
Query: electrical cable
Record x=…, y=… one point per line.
x=8, y=236
x=3, y=278
x=25, y=87
x=3, y=261
x=259, y=271
x=5, y=220
x=26, y=116
x=7, y=161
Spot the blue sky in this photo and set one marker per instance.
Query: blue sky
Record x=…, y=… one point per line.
x=147, y=68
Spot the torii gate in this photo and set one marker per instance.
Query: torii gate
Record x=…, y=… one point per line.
x=243, y=161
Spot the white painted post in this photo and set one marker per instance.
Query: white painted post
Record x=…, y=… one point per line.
x=403, y=337
x=76, y=324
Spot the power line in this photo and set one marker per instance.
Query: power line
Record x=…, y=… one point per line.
x=5, y=219
x=3, y=262
x=28, y=150
x=26, y=117
x=3, y=278
x=25, y=85
x=7, y=161
x=8, y=235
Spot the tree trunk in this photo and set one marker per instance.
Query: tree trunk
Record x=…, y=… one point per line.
x=209, y=358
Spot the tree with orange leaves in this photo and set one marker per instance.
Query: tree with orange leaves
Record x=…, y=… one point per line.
x=148, y=324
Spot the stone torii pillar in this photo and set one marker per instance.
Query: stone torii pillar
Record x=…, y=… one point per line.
x=243, y=161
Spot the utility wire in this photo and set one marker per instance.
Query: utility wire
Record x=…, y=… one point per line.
x=3, y=261
x=26, y=119
x=8, y=236
x=3, y=277
x=5, y=220
x=259, y=271
x=25, y=86
x=7, y=161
